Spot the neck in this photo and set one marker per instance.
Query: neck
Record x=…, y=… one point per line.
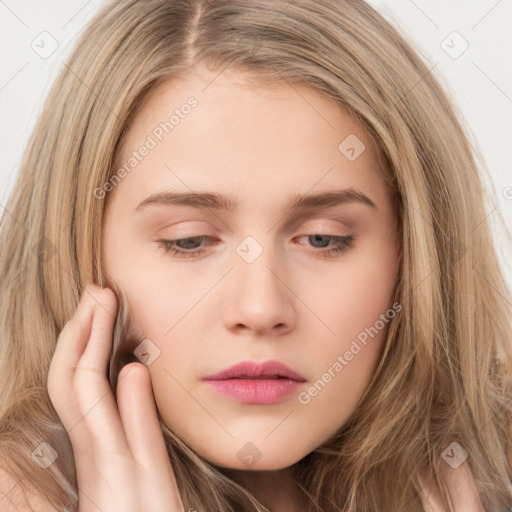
x=276, y=489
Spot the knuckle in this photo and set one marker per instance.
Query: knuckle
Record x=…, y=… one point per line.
x=86, y=378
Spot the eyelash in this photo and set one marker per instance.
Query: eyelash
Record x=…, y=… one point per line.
x=341, y=245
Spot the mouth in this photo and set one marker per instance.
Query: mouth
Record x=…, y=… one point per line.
x=245, y=377
x=256, y=383
x=256, y=391
x=254, y=370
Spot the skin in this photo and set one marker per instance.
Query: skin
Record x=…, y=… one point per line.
x=206, y=313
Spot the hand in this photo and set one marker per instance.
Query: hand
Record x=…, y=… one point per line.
x=120, y=453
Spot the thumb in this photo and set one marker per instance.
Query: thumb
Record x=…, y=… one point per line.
x=139, y=416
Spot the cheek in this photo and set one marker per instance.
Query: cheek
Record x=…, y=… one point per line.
x=357, y=309
x=162, y=299
x=346, y=365
x=351, y=299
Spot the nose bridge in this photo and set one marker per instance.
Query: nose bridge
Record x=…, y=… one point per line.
x=256, y=265
x=260, y=300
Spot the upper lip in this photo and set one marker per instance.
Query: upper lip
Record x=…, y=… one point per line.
x=254, y=369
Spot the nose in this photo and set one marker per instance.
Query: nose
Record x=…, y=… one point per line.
x=261, y=299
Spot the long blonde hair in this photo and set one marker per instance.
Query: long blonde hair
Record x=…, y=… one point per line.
x=445, y=372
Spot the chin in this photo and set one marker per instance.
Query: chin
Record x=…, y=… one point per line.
x=250, y=458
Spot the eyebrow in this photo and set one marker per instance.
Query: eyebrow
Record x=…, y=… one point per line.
x=212, y=201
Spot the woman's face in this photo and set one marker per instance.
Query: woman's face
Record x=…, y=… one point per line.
x=267, y=184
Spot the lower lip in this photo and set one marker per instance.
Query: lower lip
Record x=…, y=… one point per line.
x=256, y=391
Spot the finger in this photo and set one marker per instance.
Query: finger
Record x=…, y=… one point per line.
x=97, y=350
x=70, y=346
x=139, y=417
x=91, y=387
x=72, y=340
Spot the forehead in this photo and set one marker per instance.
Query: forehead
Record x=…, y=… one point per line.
x=226, y=132
x=240, y=101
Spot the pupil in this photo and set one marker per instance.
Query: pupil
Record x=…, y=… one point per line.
x=317, y=238
x=188, y=243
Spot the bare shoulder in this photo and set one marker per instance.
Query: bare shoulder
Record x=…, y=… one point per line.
x=14, y=497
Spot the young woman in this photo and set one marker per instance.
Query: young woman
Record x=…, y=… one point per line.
x=247, y=266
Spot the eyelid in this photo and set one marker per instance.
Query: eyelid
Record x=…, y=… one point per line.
x=329, y=228
x=197, y=229
x=299, y=223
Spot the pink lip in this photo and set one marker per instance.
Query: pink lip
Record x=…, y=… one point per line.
x=256, y=383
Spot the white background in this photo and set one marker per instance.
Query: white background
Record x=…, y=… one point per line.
x=479, y=79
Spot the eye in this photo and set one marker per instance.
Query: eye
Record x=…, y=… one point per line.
x=339, y=245
x=193, y=246
x=184, y=247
